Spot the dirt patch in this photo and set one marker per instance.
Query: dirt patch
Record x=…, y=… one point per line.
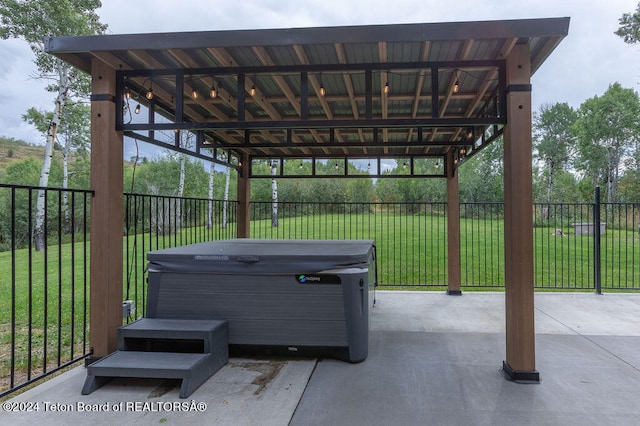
x=164, y=387
x=267, y=372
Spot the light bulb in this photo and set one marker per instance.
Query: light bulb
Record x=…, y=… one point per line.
x=137, y=110
x=213, y=93
x=322, y=91
x=252, y=91
x=194, y=93
x=456, y=87
x=149, y=94
x=386, y=88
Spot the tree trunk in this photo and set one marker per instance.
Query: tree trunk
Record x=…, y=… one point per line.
x=211, y=176
x=225, y=202
x=180, y=192
x=611, y=165
x=552, y=172
x=274, y=196
x=38, y=232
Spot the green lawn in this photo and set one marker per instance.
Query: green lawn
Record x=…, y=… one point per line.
x=411, y=251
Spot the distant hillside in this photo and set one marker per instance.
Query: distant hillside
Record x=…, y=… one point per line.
x=13, y=150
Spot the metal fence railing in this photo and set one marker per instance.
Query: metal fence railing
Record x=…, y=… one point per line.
x=45, y=291
x=44, y=308
x=155, y=222
x=410, y=238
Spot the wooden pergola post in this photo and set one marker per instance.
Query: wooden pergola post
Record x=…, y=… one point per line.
x=106, y=213
x=520, y=363
x=453, y=227
x=244, y=199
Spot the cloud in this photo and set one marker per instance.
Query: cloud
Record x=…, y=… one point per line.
x=20, y=91
x=584, y=64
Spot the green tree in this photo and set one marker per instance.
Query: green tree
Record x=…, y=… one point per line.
x=360, y=190
x=73, y=136
x=607, y=128
x=23, y=172
x=20, y=172
x=629, y=28
x=482, y=177
x=162, y=177
x=552, y=140
x=33, y=21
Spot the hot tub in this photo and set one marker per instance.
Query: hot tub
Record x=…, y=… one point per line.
x=294, y=297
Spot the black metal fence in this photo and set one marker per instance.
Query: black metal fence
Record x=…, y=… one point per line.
x=571, y=253
x=156, y=222
x=410, y=238
x=45, y=294
x=44, y=301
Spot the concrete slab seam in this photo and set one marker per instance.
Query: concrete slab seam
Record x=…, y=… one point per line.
x=589, y=340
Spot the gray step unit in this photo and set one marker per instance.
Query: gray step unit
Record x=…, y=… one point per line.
x=205, y=340
x=301, y=296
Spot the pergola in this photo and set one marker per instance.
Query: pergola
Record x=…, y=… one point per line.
x=424, y=94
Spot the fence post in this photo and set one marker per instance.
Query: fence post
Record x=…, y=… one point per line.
x=597, y=273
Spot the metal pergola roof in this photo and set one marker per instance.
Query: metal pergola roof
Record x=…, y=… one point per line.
x=321, y=94
x=405, y=91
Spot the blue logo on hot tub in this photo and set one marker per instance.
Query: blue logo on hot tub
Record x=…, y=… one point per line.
x=318, y=279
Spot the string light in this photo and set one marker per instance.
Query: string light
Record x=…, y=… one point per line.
x=437, y=166
x=137, y=110
x=368, y=166
x=322, y=91
x=386, y=88
x=404, y=165
x=456, y=87
x=149, y=94
x=252, y=91
x=469, y=133
x=194, y=93
x=214, y=92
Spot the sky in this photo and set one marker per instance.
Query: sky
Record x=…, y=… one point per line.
x=585, y=63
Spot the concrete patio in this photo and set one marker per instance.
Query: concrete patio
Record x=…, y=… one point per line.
x=433, y=359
